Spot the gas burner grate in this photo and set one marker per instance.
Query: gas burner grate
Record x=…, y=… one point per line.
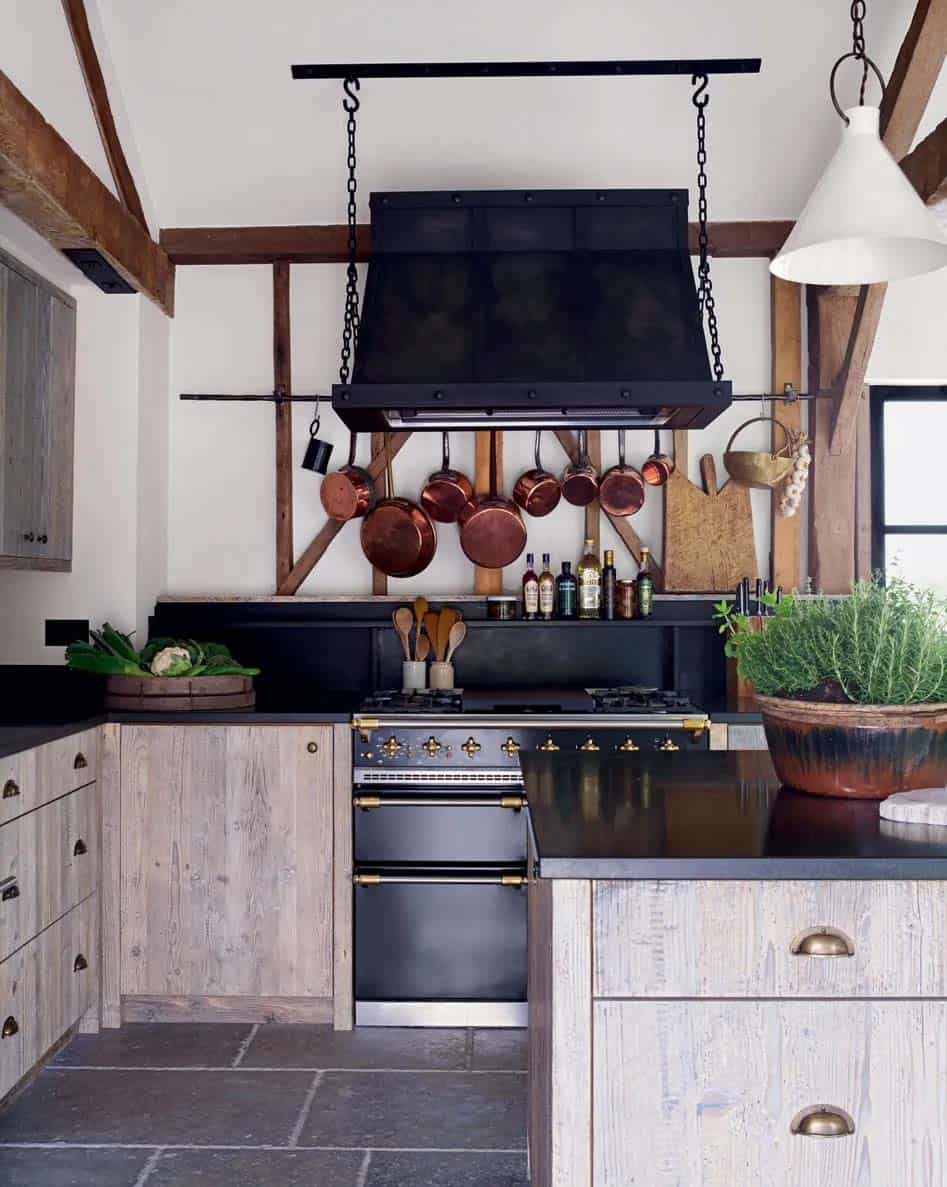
x=634, y=698
x=430, y=700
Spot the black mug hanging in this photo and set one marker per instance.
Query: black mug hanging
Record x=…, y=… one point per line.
x=318, y=452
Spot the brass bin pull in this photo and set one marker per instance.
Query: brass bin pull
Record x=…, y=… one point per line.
x=10, y=1028
x=10, y=789
x=80, y=762
x=80, y=848
x=80, y=964
x=367, y=802
x=513, y=880
x=9, y=889
x=822, y=1121
x=822, y=942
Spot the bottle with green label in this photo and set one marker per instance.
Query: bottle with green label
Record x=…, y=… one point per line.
x=645, y=585
x=566, y=591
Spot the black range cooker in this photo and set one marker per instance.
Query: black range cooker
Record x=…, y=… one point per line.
x=440, y=837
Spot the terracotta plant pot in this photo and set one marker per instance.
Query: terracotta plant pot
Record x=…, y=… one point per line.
x=858, y=751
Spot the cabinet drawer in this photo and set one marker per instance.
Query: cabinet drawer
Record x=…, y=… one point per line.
x=48, y=864
x=707, y=1092
x=37, y=776
x=736, y=939
x=45, y=988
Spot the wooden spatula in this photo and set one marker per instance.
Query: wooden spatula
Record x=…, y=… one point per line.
x=420, y=609
x=446, y=620
x=403, y=618
x=422, y=648
x=430, y=627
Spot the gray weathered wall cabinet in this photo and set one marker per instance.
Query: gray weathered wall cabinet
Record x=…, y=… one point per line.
x=37, y=415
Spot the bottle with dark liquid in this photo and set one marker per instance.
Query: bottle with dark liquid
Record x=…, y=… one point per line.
x=566, y=592
x=645, y=585
x=547, y=590
x=609, y=585
x=530, y=590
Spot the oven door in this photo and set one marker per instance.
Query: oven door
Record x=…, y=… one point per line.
x=439, y=828
x=440, y=947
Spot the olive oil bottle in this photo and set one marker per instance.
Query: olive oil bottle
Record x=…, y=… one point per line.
x=590, y=583
x=645, y=585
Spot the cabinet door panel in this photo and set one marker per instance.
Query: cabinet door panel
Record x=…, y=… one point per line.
x=21, y=389
x=55, y=435
x=706, y=1092
x=227, y=860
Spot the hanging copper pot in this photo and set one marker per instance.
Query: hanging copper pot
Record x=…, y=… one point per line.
x=579, y=480
x=398, y=536
x=447, y=491
x=349, y=493
x=492, y=532
x=537, y=491
x=658, y=468
x=621, y=491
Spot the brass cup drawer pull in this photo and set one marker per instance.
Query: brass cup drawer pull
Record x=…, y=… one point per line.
x=80, y=762
x=80, y=849
x=80, y=964
x=822, y=942
x=10, y=1028
x=11, y=789
x=822, y=1121
x=9, y=889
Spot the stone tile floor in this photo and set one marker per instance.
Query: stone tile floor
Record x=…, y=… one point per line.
x=273, y=1106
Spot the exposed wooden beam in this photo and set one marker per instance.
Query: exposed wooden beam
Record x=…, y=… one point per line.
x=593, y=513
x=283, y=383
x=915, y=73
x=78, y=22
x=926, y=169
x=331, y=528
x=328, y=244
x=379, y=578
x=487, y=581
x=786, y=332
x=50, y=187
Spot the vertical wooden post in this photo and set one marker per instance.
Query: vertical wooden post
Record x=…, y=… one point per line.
x=593, y=513
x=832, y=477
x=786, y=330
x=283, y=383
x=487, y=581
x=379, y=579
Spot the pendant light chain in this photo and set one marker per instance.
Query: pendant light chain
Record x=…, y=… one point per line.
x=705, y=287
x=858, y=12
x=350, y=105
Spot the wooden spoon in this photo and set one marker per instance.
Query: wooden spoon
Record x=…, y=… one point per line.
x=430, y=626
x=447, y=618
x=420, y=609
x=458, y=632
x=422, y=648
x=403, y=620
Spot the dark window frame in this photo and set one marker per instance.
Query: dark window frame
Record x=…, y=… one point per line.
x=880, y=398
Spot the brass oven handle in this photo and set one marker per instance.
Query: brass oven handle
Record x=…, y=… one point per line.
x=80, y=964
x=10, y=1028
x=822, y=1121
x=446, y=880
x=10, y=789
x=9, y=889
x=367, y=802
x=822, y=942
x=80, y=762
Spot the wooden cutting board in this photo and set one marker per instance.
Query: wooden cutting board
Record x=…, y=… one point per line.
x=708, y=534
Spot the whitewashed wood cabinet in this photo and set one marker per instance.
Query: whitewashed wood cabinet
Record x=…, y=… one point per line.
x=698, y=1033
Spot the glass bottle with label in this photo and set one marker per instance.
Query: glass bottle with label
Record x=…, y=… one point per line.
x=645, y=585
x=530, y=590
x=609, y=585
x=566, y=591
x=590, y=583
x=547, y=590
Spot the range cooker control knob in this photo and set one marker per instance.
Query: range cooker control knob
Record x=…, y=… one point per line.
x=510, y=747
x=590, y=745
x=392, y=747
x=628, y=745
x=668, y=744
x=549, y=744
x=471, y=746
x=432, y=746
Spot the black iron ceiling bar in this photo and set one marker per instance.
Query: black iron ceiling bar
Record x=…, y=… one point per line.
x=276, y=397
x=592, y=69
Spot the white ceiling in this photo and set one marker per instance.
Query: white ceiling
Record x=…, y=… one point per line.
x=226, y=137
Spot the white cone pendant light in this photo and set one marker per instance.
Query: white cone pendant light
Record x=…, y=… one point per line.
x=864, y=222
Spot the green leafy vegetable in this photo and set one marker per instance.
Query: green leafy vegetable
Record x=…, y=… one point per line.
x=112, y=653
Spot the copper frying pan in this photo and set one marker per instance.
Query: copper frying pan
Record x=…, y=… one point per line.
x=398, y=536
x=621, y=491
x=349, y=493
x=447, y=491
x=658, y=468
x=492, y=532
x=537, y=491
x=579, y=479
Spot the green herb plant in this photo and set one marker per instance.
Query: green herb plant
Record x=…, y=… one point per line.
x=111, y=653
x=884, y=644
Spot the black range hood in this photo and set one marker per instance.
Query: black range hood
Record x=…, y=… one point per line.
x=517, y=309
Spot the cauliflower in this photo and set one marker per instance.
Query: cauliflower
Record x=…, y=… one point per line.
x=171, y=661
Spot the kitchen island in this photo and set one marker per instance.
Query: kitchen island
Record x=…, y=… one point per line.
x=723, y=973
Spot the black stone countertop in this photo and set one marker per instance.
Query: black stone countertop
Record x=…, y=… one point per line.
x=709, y=814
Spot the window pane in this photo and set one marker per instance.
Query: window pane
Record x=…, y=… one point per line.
x=915, y=485
x=921, y=560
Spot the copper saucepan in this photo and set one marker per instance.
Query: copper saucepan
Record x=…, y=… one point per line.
x=579, y=480
x=398, y=536
x=492, y=532
x=447, y=491
x=621, y=491
x=349, y=493
x=537, y=491
x=658, y=468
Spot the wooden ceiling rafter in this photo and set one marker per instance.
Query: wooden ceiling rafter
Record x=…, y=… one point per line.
x=926, y=169
x=78, y=22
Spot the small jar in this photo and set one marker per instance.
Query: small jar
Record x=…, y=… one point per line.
x=501, y=607
x=626, y=599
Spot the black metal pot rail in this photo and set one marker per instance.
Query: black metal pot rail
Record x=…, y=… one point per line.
x=593, y=69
